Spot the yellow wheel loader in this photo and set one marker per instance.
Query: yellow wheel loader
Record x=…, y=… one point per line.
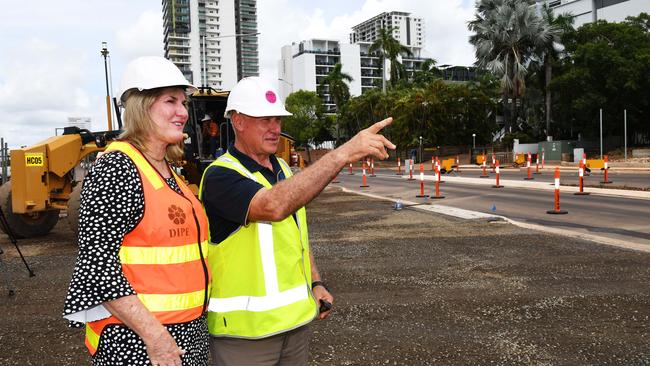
x=42, y=176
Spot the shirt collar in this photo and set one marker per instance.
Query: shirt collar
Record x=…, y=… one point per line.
x=251, y=164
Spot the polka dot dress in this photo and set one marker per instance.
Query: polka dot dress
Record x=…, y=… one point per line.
x=112, y=204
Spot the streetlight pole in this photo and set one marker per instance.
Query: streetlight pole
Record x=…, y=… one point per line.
x=104, y=52
x=421, y=149
x=473, y=141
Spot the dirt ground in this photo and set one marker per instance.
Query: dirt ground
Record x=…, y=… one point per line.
x=411, y=288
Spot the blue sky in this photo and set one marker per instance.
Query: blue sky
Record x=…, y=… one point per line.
x=51, y=68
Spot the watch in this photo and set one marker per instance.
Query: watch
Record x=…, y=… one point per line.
x=319, y=283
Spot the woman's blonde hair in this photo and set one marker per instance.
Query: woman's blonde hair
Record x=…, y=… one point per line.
x=138, y=126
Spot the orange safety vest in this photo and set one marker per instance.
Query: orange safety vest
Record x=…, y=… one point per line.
x=164, y=258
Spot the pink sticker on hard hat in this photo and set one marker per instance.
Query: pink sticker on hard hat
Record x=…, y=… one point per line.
x=270, y=96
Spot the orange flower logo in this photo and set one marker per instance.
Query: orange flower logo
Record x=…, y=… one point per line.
x=176, y=214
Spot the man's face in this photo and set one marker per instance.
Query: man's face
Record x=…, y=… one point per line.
x=261, y=135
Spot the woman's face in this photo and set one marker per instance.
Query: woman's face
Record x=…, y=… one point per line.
x=169, y=115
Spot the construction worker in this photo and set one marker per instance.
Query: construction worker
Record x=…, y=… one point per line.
x=211, y=133
x=140, y=283
x=266, y=287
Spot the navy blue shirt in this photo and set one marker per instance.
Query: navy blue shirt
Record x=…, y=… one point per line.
x=227, y=194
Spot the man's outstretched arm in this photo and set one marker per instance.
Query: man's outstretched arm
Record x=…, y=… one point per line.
x=289, y=195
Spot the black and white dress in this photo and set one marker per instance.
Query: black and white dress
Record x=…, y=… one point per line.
x=112, y=204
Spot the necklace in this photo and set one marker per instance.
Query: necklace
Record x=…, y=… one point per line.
x=154, y=159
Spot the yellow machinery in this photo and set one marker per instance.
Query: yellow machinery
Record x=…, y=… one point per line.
x=595, y=164
x=42, y=180
x=447, y=165
x=520, y=160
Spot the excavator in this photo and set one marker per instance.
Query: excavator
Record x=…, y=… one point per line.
x=43, y=181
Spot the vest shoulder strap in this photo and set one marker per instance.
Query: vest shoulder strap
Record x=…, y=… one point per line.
x=140, y=162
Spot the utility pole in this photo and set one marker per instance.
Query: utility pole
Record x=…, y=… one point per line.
x=104, y=52
x=601, y=133
x=625, y=132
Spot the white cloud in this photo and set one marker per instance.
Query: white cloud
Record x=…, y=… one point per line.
x=51, y=67
x=143, y=38
x=446, y=32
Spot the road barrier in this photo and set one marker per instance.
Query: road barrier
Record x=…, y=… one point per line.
x=433, y=163
x=436, y=177
x=528, y=161
x=581, y=173
x=399, y=166
x=364, y=180
x=498, y=171
x=556, y=209
x=494, y=163
x=485, y=174
x=411, y=169
x=372, y=167
x=350, y=172
x=542, y=160
x=422, y=195
x=606, y=169
x=537, y=166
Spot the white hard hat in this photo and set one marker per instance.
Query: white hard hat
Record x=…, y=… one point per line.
x=206, y=118
x=255, y=97
x=152, y=72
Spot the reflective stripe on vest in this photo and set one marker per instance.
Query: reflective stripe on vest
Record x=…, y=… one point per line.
x=162, y=257
x=261, y=273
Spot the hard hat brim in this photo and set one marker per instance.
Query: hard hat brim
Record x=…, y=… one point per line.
x=259, y=112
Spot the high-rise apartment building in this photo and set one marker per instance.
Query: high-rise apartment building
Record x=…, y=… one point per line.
x=588, y=11
x=306, y=64
x=406, y=29
x=213, y=42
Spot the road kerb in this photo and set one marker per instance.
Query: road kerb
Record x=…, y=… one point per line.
x=473, y=215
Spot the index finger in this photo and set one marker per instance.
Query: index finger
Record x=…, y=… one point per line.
x=379, y=125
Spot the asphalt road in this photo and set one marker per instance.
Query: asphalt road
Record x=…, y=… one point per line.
x=634, y=179
x=617, y=218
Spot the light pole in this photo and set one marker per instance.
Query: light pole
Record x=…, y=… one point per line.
x=473, y=141
x=420, y=149
x=104, y=52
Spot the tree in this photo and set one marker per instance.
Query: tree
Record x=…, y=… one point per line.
x=607, y=67
x=338, y=90
x=427, y=73
x=506, y=34
x=557, y=26
x=307, y=125
x=390, y=49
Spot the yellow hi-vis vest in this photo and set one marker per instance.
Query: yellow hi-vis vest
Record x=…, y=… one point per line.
x=261, y=273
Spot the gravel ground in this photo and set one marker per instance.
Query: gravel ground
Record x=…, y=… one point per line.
x=411, y=288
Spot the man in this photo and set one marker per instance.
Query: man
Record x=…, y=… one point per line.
x=266, y=287
x=210, y=132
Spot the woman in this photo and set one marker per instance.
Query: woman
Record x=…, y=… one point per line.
x=140, y=282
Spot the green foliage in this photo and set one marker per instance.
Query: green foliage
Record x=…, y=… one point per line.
x=442, y=113
x=507, y=34
x=308, y=123
x=607, y=67
x=390, y=49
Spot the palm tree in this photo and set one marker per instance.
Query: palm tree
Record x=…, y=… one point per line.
x=390, y=49
x=338, y=90
x=427, y=73
x=506, y=34
x=550, y=52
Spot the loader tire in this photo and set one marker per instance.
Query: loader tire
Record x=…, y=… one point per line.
x=25, y=226
x=73, y=209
